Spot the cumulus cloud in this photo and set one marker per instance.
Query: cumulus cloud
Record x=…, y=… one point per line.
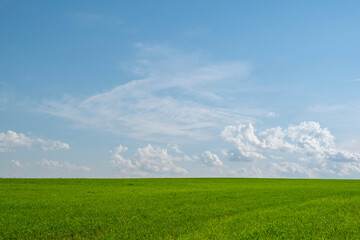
x=146, y=160
x=307, y=138
x=210, y=159
x=10, y=140
x=311, y=147
x=174, y=96
x=56, y=165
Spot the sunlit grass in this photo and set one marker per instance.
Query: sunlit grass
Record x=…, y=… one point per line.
x=179, y=209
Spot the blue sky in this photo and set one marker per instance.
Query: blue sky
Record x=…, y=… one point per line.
x=179, y=89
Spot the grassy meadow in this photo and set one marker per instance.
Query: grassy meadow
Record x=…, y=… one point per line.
x=209, y=208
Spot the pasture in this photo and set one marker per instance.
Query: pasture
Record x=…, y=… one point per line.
x=194, y=208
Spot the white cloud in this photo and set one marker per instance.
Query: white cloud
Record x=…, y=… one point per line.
x=49, y=145
x=177, y=95
x=146, y=160
x=271, y=114
x=312, y=149
x=351, y=81
x=251, y=172
x=306, y=138
x=245, y=140
x=210, y=159
x=10, y=139
x=16, y=163
x=175, y=148
x=322, y=108
x=290, y=169
x=56, y=165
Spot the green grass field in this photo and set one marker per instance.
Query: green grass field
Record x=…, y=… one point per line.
x=179, y=209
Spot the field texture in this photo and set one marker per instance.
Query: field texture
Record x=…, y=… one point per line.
x=179, y=209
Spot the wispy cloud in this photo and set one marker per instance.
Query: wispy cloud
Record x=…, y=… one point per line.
x=351, y=81
x=56, y=165
x=322, y=108
x=178, y=95
x=271, y=114
x=175, y=148
x=252, y=172
x=16, y=163
x=10, y=140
